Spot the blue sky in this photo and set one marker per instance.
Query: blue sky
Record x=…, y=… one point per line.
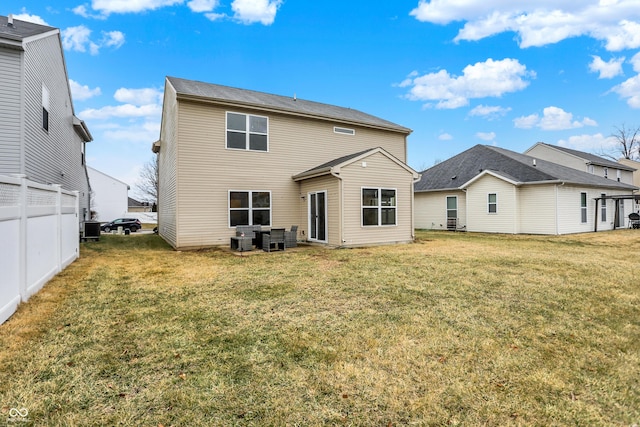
x=457, y=72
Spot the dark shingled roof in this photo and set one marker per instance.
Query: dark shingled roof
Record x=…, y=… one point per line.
x=20, y=29
x=456, y=171
x=592, y=158
x=285, y=104
x=336, y=162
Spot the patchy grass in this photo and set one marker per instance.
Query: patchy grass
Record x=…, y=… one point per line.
x=456, y=329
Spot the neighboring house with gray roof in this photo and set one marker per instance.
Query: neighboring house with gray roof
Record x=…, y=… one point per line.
x=582, y=161
x=491, y=189
x=40, y=136
x=230, y=157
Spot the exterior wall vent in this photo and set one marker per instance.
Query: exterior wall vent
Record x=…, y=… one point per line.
x=344, y=131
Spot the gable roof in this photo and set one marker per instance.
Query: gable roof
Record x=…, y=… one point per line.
x=520, y=169
x=14, y=35
x=333, y=166
x=190, y=89
x=590, y=159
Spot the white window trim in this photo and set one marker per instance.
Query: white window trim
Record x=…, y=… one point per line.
x=585, y=208
x=379, y=207
x=446, y=206
x=494, y=203
x=250, y=208
x=603, y=208
x=247, y=132
x=344, y=131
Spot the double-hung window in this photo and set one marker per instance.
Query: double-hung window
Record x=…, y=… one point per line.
x=603, y=208
x=247, y=132
x=378, y=206
x=492, y=203
x=583, y=207
x=249, y=208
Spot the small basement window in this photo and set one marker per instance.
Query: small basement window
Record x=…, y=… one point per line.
x=345, y=131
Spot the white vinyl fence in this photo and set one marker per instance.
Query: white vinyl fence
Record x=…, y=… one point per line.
x=39, y=237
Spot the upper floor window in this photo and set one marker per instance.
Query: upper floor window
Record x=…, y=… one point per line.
x=590, y=169
x=378, y=206
x=247, y=132
x=606, y=172
x=492, y=203
x=618, y=174
x=45, y=108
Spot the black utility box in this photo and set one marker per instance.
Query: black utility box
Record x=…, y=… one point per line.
x=91, y=230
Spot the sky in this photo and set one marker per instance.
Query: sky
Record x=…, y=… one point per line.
x=457, y=72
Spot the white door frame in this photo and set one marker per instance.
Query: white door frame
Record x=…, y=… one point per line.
x=315, y=215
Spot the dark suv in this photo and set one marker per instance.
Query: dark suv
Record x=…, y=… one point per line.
x=131, y=224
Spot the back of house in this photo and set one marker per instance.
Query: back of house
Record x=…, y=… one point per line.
x=230, y=157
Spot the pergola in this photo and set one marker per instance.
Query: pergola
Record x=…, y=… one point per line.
x=617, y=198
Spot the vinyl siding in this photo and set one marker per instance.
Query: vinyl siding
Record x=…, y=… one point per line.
x=569, y=218
x=537, y=207
x=167, y=197
x=10, y=106
x=53, y=156
x=505, y=220
x=206, y=170
x=431, y=209
x=556, y=156
x=380, y=172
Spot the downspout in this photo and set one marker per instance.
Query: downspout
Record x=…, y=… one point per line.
x=337, y=175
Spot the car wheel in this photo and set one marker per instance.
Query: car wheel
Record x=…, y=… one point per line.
x=133, y=229
x=107, y=229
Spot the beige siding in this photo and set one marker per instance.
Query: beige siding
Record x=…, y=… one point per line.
x=556, y=156
x=331, y=185
x=635, y=176
x=381, y=172
x=207, y=170
x=505, y=220
x=167, y=197
x=431, y=209
x=537, y=208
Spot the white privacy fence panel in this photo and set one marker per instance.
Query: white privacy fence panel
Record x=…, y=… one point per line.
x=39, y=235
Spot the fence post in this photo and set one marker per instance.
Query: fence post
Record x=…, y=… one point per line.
x=58, y=246
x=22, y=243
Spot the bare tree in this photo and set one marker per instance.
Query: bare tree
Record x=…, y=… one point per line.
x=147, y=186
x=628, y=140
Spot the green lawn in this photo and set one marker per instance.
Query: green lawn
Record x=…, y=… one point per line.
x=456, y=329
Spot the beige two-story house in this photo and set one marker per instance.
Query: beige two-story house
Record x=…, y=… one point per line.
x=230, y=157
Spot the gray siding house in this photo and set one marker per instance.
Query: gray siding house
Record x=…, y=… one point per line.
x=40, y=136
x=230, y=157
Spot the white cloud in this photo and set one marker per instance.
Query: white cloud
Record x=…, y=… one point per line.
x=445, y=137
x=121, y=111
x=630, y=89
x=30, y=18
x=144, y=133
x=252, y=11
x=486, y=136
x=80, y=92
x=635, y=61
x=489, y=112
x=483, y=79
x=202, y=5
x=112, y=39
x=143, y=96
x=215, y=16
x=539, y=22
x=590, y=143
x=79, y=39
x=107, y=7
x=553, y=118
x=607, y=70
